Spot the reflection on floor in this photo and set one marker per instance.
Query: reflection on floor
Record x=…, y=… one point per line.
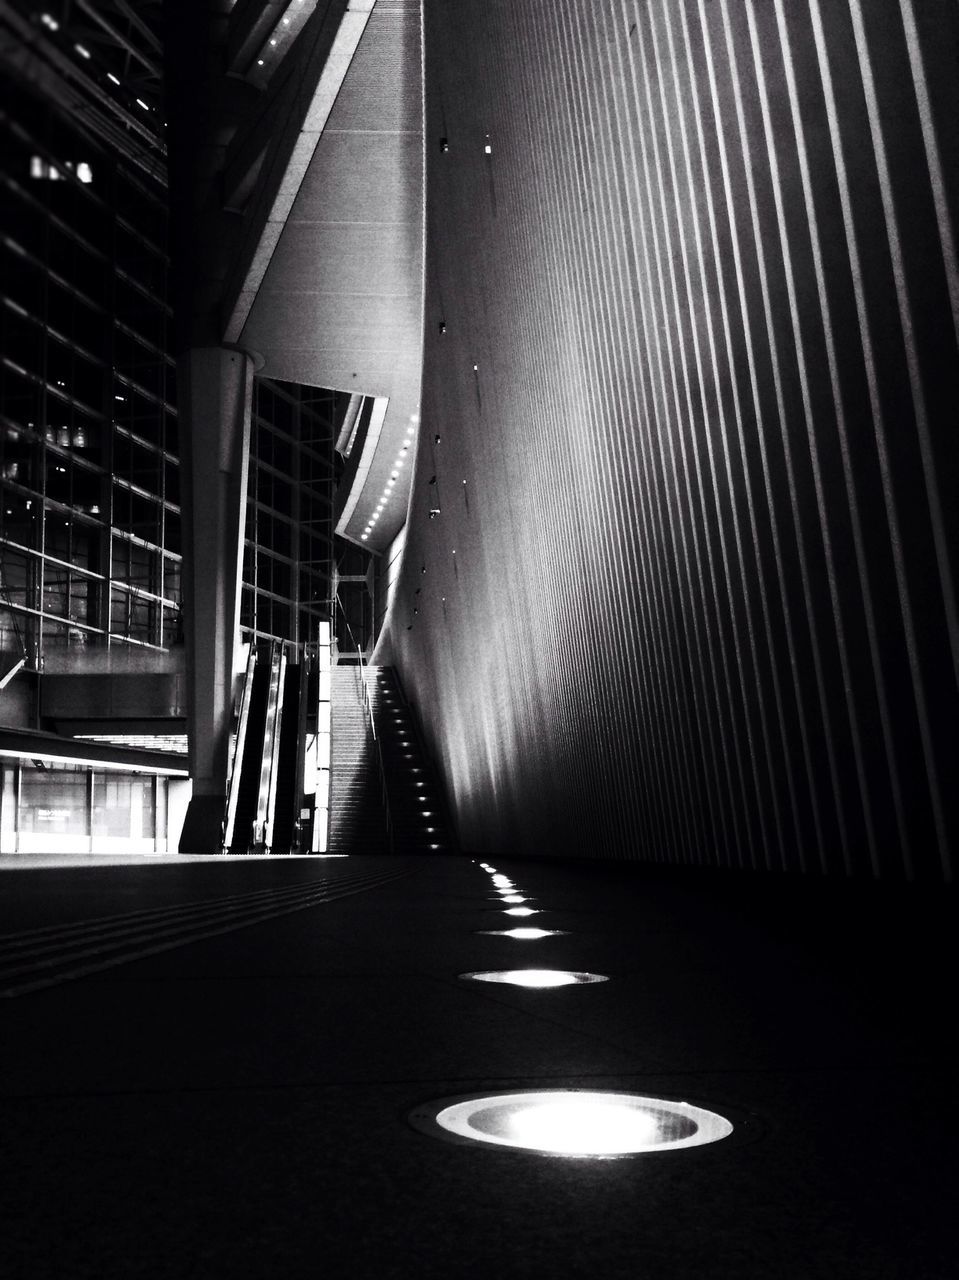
x=210, y=1066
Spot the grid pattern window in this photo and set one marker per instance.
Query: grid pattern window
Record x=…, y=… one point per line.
x=289, y=517
x=89, y=451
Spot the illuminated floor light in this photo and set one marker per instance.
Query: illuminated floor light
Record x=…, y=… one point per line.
x=520, y=911
x=522, y=934
x=513, y=897
x=584, y=1124
x=537, y=978
x=504, y=882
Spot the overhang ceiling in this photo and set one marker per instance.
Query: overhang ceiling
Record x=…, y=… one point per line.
x=339, y=303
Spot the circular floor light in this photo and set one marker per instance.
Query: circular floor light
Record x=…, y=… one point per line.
x=523, y=934
x=539, y=979
x=580, y=1123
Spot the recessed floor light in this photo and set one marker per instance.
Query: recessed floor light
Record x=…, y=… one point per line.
x=579, y=1123
x=523, y=935
x=520, y=911
x=538, y=978
x=512, y=897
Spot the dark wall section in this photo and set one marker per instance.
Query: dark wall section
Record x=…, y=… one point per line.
x=691, y=355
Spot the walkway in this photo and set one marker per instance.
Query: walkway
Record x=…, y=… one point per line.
x=237, y=1105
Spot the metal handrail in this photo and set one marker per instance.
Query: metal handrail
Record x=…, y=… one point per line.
x=233, y=791
x=366, y=701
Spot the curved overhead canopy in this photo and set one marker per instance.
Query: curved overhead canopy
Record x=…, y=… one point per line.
x=330, y=294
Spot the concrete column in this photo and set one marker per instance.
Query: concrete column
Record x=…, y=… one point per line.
x=215, y=387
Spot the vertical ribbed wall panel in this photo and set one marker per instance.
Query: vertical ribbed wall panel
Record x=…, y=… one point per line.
x=691, y=353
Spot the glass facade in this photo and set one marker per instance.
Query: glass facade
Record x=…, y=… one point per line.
x=76, y=809
x=90, y=483
x=90, y=533
x=89, y=473
x=289, y=513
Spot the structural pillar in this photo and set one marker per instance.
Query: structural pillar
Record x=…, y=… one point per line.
x=215, y=391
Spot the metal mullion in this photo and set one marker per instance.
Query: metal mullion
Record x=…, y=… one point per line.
x=297, y=473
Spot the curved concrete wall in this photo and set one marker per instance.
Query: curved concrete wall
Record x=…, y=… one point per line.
x=690, y=595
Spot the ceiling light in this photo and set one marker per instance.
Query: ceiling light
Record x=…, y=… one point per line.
x=84, y=53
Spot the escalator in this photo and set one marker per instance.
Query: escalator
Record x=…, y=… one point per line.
x=252, y=724
x=288, y=798
x=265, y=793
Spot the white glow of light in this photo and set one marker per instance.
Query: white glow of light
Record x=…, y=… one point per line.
x=84, y=172
x=582, y=1127
x=84, y=53
x=112, y=766
x=576, y=1123
x=522, y=935
x=49, y=21
x=503, y=881
x=536, y=978
x=111, y=76
x=520, y=911
x=513, y=897
x=141, y=103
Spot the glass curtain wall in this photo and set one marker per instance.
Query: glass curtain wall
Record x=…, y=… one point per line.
x=89, y=473
x=287, y=565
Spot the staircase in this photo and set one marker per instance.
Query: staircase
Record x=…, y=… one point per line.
x=358, y=819
x=413, y=819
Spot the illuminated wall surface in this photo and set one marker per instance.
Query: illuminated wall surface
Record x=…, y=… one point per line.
x=697, y=400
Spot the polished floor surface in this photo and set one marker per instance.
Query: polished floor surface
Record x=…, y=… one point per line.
x=208, y=1069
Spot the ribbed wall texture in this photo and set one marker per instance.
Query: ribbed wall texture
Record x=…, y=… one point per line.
x=690, y=595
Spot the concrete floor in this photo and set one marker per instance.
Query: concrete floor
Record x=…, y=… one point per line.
x=236, y=1104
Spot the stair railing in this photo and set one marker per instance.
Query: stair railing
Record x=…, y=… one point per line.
x=366, y=701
